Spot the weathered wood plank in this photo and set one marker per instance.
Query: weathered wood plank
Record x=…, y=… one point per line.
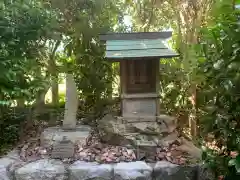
x=140, y=96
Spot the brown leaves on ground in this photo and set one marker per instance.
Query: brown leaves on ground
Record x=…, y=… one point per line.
x=32, y=151
x=172, y=155
x=171, y=148
x=104, y=153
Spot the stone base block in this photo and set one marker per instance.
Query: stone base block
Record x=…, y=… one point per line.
x=49, y=169
x=132, y=171
x=54, y=135
x=168, y=171
x=90, y=171
x=3, y=173
x=42, y=169
x=6, y=162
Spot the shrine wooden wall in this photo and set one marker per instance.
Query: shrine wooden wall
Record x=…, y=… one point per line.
x=139, y=86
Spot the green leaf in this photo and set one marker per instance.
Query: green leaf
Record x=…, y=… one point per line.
x=232, y=162
x=237, y=163
x=204, y=155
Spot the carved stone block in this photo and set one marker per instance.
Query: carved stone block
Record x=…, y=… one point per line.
x=146, y=150
x=63, y=149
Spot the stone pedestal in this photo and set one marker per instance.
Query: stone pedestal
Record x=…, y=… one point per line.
x=54, y=135
x=140, y=105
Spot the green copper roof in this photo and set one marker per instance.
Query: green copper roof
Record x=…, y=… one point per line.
x=136, y=45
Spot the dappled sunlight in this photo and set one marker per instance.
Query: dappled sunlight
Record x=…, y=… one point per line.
x=61, y=91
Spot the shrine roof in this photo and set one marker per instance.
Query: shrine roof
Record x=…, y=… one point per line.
x=137, y=45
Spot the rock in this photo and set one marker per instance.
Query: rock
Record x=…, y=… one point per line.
x=54, y=135
x=6, y=162
x=151, y=128
x=169, y=120
x=42, y=169
x=168, y=171
x=166, y=141
x=90, y=171
x=7, y=165
x=13, y=167
x=110, y=124
x=14, y=154
x=117, y=139
x=204, y=173
x=113, y=131
x=190, y=148
x=3, y=173
x=132, y=171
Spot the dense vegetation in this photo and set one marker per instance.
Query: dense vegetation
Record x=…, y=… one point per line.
x=39, y=40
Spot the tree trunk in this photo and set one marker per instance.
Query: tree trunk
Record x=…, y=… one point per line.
x=39, y=106
x=20, y=103
x=1, y=106
x=54, y=75
x=40, y=102
x=193, y=119
x=189, y=20
x=55, y=95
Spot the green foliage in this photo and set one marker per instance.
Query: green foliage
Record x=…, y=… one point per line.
x=173, y=92
x=83, y=52
x=235, y=162
x=149, y=15
x=220, y=92
x=32, y=30
x=24, y=27
x=10, y=124
x=62, y=98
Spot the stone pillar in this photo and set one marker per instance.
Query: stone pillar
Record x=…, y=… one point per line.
x=71, y=105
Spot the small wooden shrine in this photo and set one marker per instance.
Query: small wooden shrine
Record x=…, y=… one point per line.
x=139, y=56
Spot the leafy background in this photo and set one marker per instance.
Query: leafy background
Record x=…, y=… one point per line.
x=43, y=40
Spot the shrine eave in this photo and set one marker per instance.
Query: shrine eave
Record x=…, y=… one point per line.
x=136, y=35
x=137, y=45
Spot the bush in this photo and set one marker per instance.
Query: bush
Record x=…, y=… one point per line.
x=220, y=93
x=10, y=125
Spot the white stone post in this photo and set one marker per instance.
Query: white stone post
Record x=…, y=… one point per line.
x=71, y=105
